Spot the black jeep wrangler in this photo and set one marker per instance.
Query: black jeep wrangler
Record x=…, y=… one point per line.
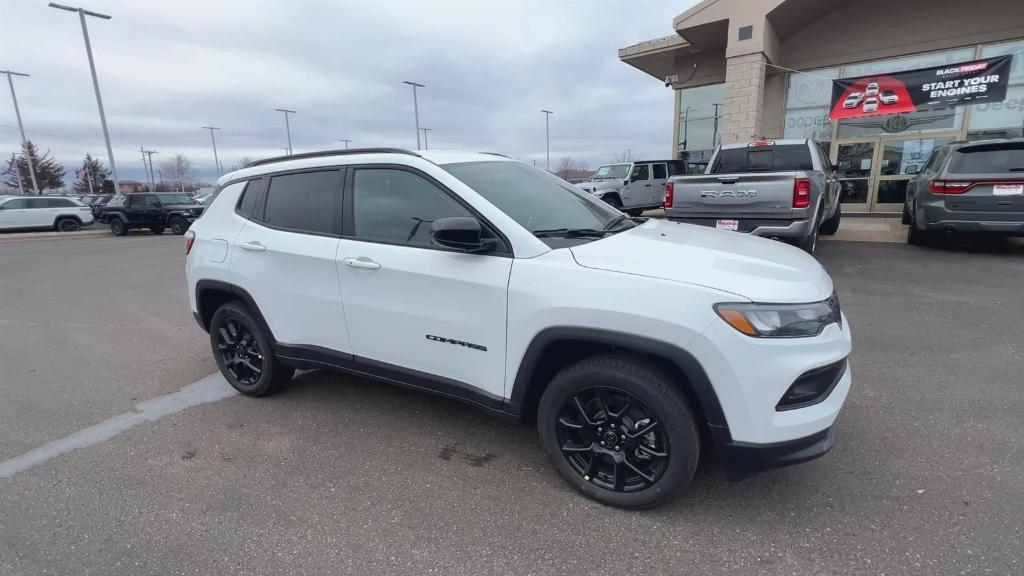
x=153, y=211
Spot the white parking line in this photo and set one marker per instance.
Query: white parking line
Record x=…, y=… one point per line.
x=213, y=388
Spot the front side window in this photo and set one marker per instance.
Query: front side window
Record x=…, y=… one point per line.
x=304, y=202
x=176, y=199
x=532, y=197
x=397, y=206
x=641, y=172
x=147, y=200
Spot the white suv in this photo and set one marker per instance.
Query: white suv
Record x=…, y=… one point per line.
x=43, y=212
x=636, y=345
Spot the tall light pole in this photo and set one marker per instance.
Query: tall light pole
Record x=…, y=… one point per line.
x=214, y=140
x=82, y=13
x=547, y=135
x=24, y=141
x=426, y=145
x=145, y=168
x=152, y=176
x=287, y=126
x=416, y=108
x=346, y=142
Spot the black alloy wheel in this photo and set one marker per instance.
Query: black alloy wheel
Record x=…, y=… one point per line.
x=69, y=225
x=239, y=352
x=178, y=225
x=118, y=227
x=611, y=439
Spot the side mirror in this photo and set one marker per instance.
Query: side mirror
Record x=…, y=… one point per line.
x=626, y=182
x=912, y=169
x=844, y=165
x=461, y=233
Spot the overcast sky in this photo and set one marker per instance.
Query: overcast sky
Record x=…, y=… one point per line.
x=168, y=67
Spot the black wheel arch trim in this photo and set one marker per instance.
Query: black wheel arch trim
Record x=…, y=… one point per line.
x=698, y=382
x=204, y=287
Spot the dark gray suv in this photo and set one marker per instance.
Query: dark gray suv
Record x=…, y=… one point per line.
x=968, y=187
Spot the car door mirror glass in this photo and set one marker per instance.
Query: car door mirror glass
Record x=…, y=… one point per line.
x=461, y=233
x=912, y=169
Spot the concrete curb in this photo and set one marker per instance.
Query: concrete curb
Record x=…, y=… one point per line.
x=23, y=236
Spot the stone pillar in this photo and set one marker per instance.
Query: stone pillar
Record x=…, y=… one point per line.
x=744, y=98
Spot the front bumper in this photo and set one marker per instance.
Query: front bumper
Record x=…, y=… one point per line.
x=742, y=460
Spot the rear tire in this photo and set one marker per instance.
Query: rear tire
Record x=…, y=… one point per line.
x=810, y=244
x=118, y=227
x=831, y=226
x=243, y=352
x=68, y=225
x=157, y=229
x=178, y=225
x=614, y=399
x=916, y=236
x=905, y=218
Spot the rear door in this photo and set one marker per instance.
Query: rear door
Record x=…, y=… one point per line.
x=992, y=175
x=15, y=214
x=659, y=175
x=284, y=256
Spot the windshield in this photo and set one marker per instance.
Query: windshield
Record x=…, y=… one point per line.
x=618, y=171
x=175, y=199
x=532, y=197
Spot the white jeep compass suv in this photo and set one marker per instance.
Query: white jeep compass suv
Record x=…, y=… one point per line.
x=637, y=346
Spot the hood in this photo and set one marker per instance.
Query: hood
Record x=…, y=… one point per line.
x=757, y=269
x=600, y=185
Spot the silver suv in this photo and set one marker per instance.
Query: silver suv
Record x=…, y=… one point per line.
x=633, y=186
x=968, y=187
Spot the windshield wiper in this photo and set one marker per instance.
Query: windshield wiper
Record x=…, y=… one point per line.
x=572, y=233
x=616, y=221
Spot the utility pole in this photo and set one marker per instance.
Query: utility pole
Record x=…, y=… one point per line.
x=287, y=127
x=24, y=141
x=82, y=13
x=415, y=107
x=152, y=177
x=686, y=125
x=426, y=145
x=214, y=140
x=14, y=161
x=346, y=142
x=145, y=168
x=547, y=135
x=714, y=137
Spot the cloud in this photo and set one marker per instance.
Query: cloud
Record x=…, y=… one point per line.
x=168, y=67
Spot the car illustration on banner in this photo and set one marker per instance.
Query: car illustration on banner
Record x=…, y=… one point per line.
x=853, y=100
x=889, y=97
x=871, y=105
x=872, y=89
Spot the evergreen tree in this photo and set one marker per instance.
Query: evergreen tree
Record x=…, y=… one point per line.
x=49, y=172
x=92, y=169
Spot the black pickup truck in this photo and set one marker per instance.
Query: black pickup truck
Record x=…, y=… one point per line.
x=154, y=211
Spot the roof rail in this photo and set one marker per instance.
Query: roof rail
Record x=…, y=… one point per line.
x=320, y=153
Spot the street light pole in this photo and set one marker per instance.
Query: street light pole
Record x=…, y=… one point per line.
x=152, y=176
x=82, y=13
x=24, y=141
x=547, y=135
x=415, y=107
x=426, y=145
x=287, y=126
x=346, y=142
x=214, y=140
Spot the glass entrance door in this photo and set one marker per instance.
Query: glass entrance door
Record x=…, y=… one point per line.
x=855, y=172
x=898, y=158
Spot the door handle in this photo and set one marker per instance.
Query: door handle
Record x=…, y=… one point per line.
x=647, y=185
x=362, y=263
x=253, y=246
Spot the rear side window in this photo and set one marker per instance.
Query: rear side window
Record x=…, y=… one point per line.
x=783, y=158
x=304, y=202
x=16, y=204
x=988, y=159
x=247, y=202
x=660, y=172
x=398, y=206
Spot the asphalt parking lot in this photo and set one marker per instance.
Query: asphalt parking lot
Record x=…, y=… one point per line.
x=341, y=475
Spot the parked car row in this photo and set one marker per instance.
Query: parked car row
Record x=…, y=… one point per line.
x=154, y=211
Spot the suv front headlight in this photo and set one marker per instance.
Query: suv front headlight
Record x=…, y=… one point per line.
x=781, y=320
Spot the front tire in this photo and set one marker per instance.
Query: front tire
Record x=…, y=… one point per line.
x=178, y=225
x=619, y=432
x=614, y=202
x=68, y=225
x=118, y=227
x=243, y=352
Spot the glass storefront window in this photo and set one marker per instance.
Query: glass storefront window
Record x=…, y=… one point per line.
x=900, y=156
x=909, y=62
x=808, y=123
x=810, y=88
x=699, y=128
x=892, y=191
x=1005, y=49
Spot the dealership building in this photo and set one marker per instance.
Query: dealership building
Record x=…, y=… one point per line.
x=747, y=70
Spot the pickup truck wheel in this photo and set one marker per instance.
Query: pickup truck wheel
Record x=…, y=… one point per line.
x=243, y=352
x=179, y=225
x=619, y=432
x=634, y=213
x=156, y=229
x=118, y=227
x=831, y=226
x=68, y=225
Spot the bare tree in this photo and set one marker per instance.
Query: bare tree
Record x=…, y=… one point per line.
x=242, y=163
x=180, y=169
x=622, y=158
x=569, y=167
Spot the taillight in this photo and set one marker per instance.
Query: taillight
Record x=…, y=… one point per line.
x=669, y=193
x=949, y=186
x=190, y=237
x=801, y=193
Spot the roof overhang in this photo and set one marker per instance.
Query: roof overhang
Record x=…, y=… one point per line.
x=656, y=57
